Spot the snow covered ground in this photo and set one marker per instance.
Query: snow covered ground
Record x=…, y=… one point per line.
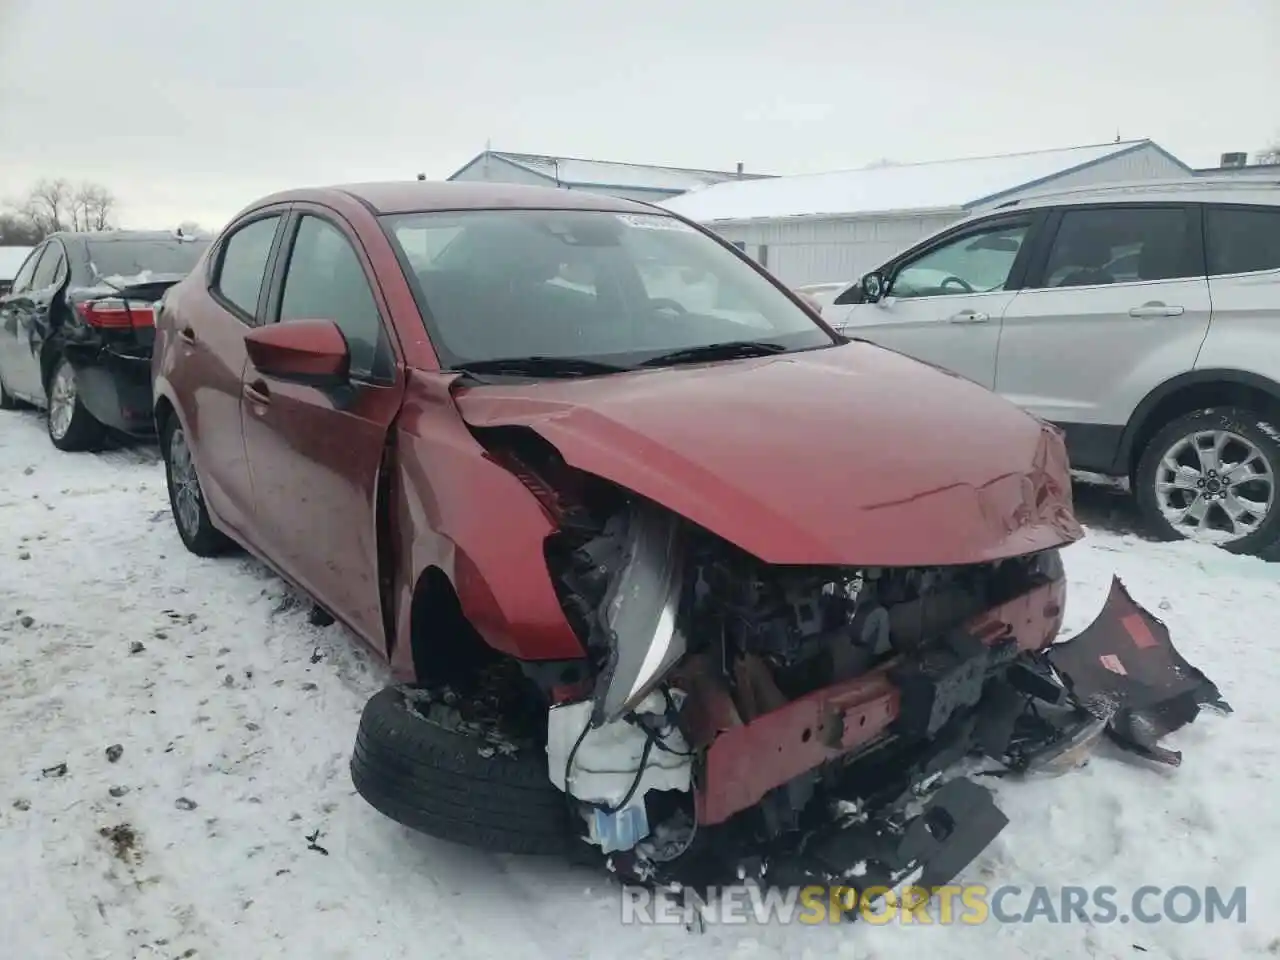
x=173, y=779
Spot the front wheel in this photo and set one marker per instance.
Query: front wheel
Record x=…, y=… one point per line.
x=1211, y=476
x=186, y=496
x=71, y=426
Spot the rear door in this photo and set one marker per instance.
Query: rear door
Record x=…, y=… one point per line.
x=1244, y=277
x=12, y=308
x=207, y=371
x=945, y=300
x=316, y=457
x=34, y=321
x=1115, y=303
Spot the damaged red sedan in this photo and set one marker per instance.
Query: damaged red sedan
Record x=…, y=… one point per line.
x=668, y=573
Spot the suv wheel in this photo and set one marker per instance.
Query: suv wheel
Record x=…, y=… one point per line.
x=1213, y=476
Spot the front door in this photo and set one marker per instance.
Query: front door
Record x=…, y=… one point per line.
x=945, y=301
x=1118, y=304
x=316, y=457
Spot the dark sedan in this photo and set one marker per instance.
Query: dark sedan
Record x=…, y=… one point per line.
x=76, y=329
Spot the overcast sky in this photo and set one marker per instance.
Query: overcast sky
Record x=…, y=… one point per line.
x=190, y=110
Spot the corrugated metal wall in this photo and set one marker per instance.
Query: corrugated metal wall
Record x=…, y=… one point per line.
x=818, y=251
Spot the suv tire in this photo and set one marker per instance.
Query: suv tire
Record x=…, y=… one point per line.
x=419, y=763
x=1247, y=432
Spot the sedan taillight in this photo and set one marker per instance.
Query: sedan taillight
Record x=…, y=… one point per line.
x=117, y=314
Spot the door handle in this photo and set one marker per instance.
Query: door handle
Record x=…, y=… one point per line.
x=1156, y=309
x=968, y=316
x=188, y=335
x=257, y=392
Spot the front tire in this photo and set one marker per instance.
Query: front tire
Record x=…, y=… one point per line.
x=1214, y=476
x=71, y=426
x=418, y=762
x=186, y=496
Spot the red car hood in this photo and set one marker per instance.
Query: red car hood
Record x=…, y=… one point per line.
x=851, y=455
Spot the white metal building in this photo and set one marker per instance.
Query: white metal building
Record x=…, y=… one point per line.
x=833, y=227
x=632, y=181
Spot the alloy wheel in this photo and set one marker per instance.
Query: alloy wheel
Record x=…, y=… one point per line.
x=1215, y=486
x=62, y=400
x=186, y=486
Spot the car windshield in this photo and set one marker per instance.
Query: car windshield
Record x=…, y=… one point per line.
x=620, y=289
x=125, y=259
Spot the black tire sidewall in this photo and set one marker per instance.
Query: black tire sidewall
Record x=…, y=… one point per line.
x=436, y=779
x=1239, y=421
x=7, y=400
x=207, y=541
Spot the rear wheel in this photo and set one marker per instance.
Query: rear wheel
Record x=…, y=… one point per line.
x=186, y=496
x=1213, y=476
x=71, y=426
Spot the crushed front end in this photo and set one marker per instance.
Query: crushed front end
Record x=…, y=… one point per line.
x=826, y=724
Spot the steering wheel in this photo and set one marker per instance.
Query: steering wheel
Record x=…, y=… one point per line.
x=664, y=303
x=963, y=285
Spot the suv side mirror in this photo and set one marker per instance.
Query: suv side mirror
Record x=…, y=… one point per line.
x=310, y=352
x=873, y=286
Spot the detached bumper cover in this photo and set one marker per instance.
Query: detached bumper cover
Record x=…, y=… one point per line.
x=1123, y=668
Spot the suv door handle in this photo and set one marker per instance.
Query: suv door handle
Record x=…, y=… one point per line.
x=188, y=336
x=968, y=316
x=1156, y=309
x=257, y=392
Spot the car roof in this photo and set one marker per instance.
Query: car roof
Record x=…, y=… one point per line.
x=1263, y=190
x=421, y=196
x=112, y=236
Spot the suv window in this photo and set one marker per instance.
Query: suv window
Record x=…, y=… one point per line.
x=22, y=281
x=978, y=262
x=1119, y=245
x=244, y=264
x=326, y=281
x=50, y=267
x=1243, y=239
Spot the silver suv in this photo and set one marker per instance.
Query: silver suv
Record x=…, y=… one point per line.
x=1143, y=319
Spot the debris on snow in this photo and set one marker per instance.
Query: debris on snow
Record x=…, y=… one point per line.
x=57, y=770
x=114, y=752
x=184, y=803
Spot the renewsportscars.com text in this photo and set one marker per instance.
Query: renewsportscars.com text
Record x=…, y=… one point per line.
x=968, y=905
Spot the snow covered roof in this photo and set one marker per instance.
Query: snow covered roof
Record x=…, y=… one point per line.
x=575, y=172
x=11, y=259
x=934, y=185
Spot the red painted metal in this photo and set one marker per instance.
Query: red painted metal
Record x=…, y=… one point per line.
x=747, y=760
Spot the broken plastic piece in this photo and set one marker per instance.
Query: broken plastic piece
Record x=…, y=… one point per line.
x=621, y=830
x=1124, y=668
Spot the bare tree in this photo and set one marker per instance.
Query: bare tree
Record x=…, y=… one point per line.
x=91, y=207
x=17, y=231
x=1269, y=154
x=49, y=205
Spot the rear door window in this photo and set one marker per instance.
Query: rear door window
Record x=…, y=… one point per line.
x=243, y=264
x=1107, y=245
x=50, y=269
x=1242, y=239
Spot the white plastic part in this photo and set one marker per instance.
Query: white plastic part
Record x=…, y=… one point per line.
x=607, y=761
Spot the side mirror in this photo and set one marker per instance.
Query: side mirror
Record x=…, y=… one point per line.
x=311, y=352
x=873, y=286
